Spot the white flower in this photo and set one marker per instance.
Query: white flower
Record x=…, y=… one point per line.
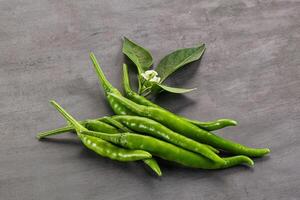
x=151, y=76
x=149, y=73
x=155, y=79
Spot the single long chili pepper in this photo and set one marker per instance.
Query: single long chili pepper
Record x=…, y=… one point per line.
x=153, y=128
x=183, y=127
x=157, y=147
x=95, y=145
x=106, y=149
x=209, y=126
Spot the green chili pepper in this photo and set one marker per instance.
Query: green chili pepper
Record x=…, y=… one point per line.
x=106, y=149
x=153, y=128
x=156, y=147
x=183, y=127
x=209, y=126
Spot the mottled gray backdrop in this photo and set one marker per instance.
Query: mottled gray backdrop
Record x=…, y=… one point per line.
x=250, y=72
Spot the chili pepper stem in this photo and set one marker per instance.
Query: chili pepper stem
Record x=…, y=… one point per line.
x=115, y=138
x=57, y=131
x=102, y=79
x=78, y=127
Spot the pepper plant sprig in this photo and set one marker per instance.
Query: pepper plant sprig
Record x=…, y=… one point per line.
x=151, y=80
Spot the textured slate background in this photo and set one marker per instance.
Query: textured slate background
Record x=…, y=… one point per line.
x=250, y=72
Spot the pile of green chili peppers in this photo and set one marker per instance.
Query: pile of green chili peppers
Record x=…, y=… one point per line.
x=142, y=130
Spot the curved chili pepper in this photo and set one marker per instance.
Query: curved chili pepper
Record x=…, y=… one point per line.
x=106, y=149
x=183, y=127
x=111, y=151
x=209, y=126
x=156, y=147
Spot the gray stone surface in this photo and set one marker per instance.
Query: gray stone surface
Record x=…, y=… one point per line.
x=250, y=72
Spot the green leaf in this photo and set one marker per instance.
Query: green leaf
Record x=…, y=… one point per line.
x=174, y=89
x=140, y=56
x=173, y=61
